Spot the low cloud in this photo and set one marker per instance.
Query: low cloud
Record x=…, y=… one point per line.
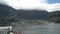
x=3, y=2
x=33, y=4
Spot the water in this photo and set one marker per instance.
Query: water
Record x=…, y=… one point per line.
x=39, y=29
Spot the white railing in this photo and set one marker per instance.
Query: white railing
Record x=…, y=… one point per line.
x=4, y=30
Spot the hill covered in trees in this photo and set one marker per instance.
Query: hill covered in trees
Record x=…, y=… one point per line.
x=9, y=15
x=55, y=16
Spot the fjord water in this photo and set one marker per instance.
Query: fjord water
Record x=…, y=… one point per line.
x=49, y=28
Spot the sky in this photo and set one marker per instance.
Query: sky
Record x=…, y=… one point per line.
x=49, y=5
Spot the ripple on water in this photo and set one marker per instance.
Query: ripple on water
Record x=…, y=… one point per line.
x=40, y=29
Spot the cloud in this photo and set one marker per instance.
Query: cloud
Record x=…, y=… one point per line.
x=25, y=4
x=33, y=4
x=53, y=7
x=3, y=2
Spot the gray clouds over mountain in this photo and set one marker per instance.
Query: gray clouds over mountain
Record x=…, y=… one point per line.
x=32, y=4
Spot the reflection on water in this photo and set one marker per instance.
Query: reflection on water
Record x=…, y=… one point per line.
x=39, y=29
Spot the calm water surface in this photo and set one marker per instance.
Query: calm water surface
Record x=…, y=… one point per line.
x=38, y=29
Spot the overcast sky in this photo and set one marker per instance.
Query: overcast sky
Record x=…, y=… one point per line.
x=49, y=5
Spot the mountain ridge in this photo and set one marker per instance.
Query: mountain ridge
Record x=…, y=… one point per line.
x=9, y=14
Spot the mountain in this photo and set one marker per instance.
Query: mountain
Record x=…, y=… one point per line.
x=54, y=16
x=5, y=10
x=32, y=14
x=7, y=13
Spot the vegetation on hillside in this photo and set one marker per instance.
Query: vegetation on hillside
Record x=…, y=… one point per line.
x=9, y=15
x=55, y=16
